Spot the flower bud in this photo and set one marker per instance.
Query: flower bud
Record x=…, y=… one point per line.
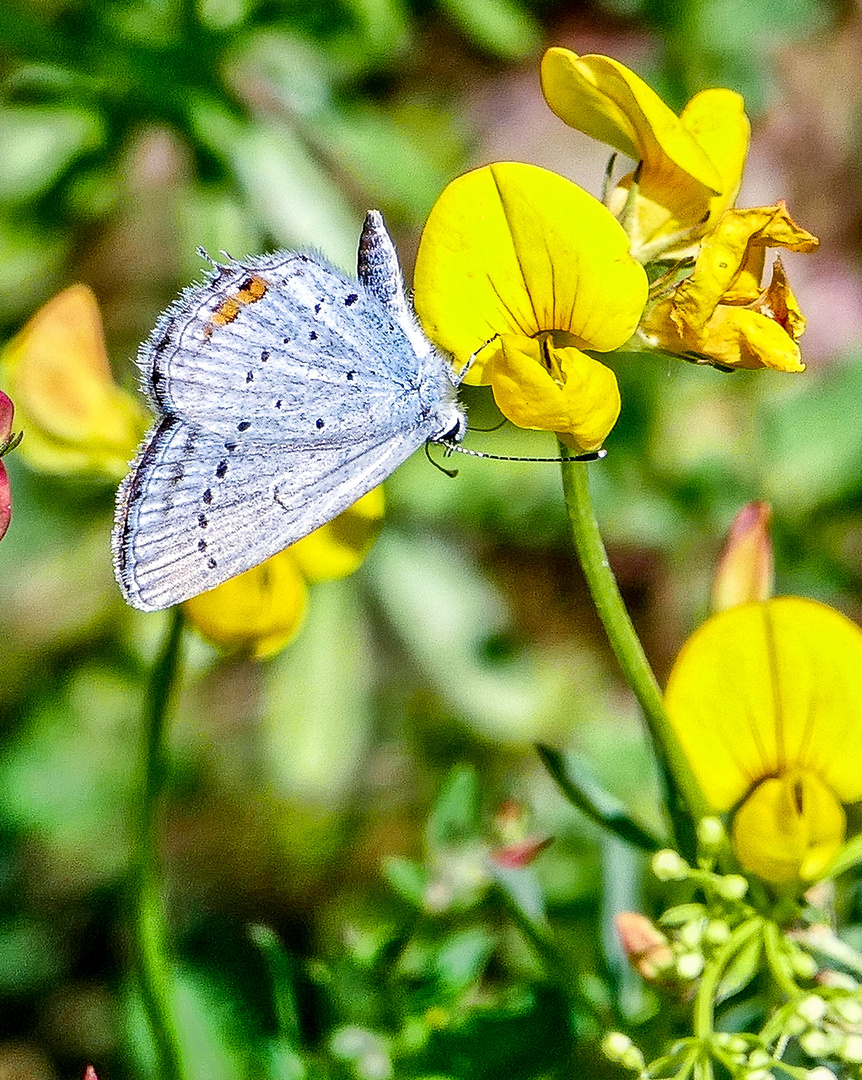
x=710, y=834
x=744, y=571
x=645, y=946
x=731, y=887
x=689, y=965
x=812, y=1008
x=667, y=865
x=851, y=1049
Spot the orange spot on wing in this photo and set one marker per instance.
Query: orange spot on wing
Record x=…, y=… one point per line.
x=251, y=289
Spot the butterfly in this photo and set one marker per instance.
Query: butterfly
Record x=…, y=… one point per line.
x=284, y=391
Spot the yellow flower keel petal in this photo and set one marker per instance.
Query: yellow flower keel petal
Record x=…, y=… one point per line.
x=256, y=613
x=789, y=829
x=537, y=385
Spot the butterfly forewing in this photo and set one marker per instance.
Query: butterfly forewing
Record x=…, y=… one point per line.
x=277, y=349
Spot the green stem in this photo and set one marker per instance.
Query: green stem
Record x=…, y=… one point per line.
x=715, y=969
x=149, y=928
x=772, y=945
x=679, y=780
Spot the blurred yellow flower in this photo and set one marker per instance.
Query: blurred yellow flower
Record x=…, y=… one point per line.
x=77, y=419
x=690, y=166
x=523, y=270
x=721, y=314
x=261, y=611
x=766, y=700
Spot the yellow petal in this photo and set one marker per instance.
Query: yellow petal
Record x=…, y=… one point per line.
x=256, y=613
x=741, y=338
x=690, y=166
x=604, y=99
x=794, y=700
x=723, y=254
x=337, y=548
x=745, y=568
x=57, y=371
x=720, y=313
x=514, y=249
x=542, y=387
x=790, y=828
x=716, y=118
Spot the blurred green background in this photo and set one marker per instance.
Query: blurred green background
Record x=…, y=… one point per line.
x=326, y=920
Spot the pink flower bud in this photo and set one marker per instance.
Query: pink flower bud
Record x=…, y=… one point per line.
x=744, y=570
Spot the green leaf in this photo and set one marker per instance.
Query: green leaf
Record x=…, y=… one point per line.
x=849, y=855
x=812, y=442
x=741, y=969
x=462, y=957
x=281, y=969
x=501, y=27
x=446, y=614
x=454, y=818
x=288, y=191
x=37, y=144
x=407, y=878
x=582, y=790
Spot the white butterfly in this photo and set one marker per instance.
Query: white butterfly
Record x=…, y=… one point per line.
x=284, y=392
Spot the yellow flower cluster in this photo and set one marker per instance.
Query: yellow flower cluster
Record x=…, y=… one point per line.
x=524, y=275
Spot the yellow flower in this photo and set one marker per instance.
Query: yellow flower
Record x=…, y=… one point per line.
x=720, y=314
x=523, y=270
x=766, y=699
x=261, y=611
x=56, y=369
x=690, y=166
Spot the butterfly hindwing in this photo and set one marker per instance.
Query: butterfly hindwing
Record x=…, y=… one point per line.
x=190, y=514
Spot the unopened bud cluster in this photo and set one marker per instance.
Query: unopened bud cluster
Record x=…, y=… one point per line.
x=691, y=933
x=829, y=1026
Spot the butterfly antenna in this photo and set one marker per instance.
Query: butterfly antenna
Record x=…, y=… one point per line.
x=591, y=455
x=451, y=473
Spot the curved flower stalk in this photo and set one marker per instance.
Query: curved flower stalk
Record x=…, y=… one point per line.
x=522, y=271
x=690, y=166
x=780, y=743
